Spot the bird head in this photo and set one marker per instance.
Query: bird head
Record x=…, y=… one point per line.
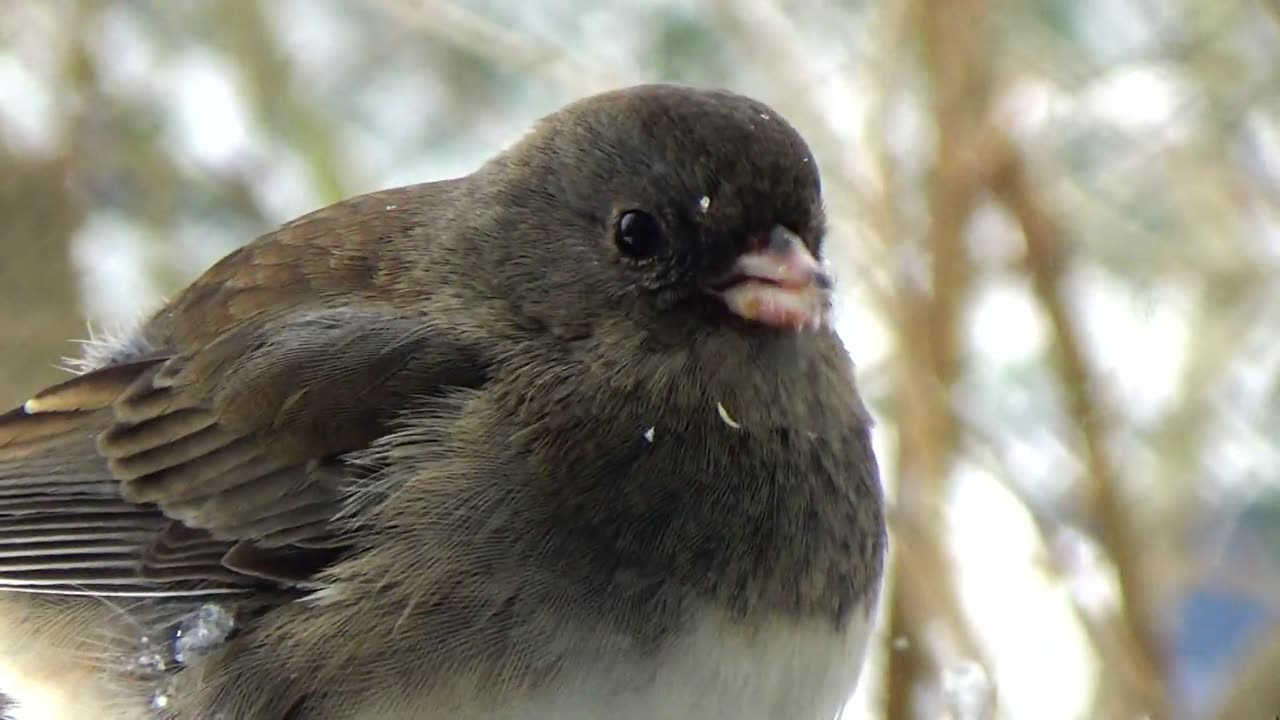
x=688, y=210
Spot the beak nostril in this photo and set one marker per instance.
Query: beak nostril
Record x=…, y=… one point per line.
x=779, y=239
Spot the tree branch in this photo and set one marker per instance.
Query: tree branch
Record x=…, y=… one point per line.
x=1046, y=264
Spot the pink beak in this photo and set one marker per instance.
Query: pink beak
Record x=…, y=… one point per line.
x=779, y=283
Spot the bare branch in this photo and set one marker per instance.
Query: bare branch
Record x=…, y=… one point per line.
x=516, y=51
x=1046, y=265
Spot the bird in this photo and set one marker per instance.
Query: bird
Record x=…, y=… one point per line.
x=572, y=436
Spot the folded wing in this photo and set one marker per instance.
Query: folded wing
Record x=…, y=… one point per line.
x=212, y=469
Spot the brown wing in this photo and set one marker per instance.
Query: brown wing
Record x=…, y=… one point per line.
x=214, y=470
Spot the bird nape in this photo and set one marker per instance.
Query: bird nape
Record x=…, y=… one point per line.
x=568, y=437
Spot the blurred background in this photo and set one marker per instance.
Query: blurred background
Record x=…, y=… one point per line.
x=1056, y=225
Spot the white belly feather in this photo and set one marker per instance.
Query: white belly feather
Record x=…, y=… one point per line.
x=719, y=671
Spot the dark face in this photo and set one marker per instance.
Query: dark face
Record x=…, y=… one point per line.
x=687, y=206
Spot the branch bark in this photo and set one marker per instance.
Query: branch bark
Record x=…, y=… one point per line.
x=1046, y=264
x=951, y=40
x=38, y=299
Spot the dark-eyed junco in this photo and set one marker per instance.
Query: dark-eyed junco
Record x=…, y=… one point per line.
x=568, y=438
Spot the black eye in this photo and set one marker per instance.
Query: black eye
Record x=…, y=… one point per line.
x=639, y=234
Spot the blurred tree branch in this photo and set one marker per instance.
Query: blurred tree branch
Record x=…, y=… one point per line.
x=39, y=311
x=951, y=41
x=518, y=52
x=1046, y=264
x=971, y=154
x=1255, y=688
x=276, y=100
x=38, y=308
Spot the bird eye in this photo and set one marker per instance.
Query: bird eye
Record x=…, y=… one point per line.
x=639, y=234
